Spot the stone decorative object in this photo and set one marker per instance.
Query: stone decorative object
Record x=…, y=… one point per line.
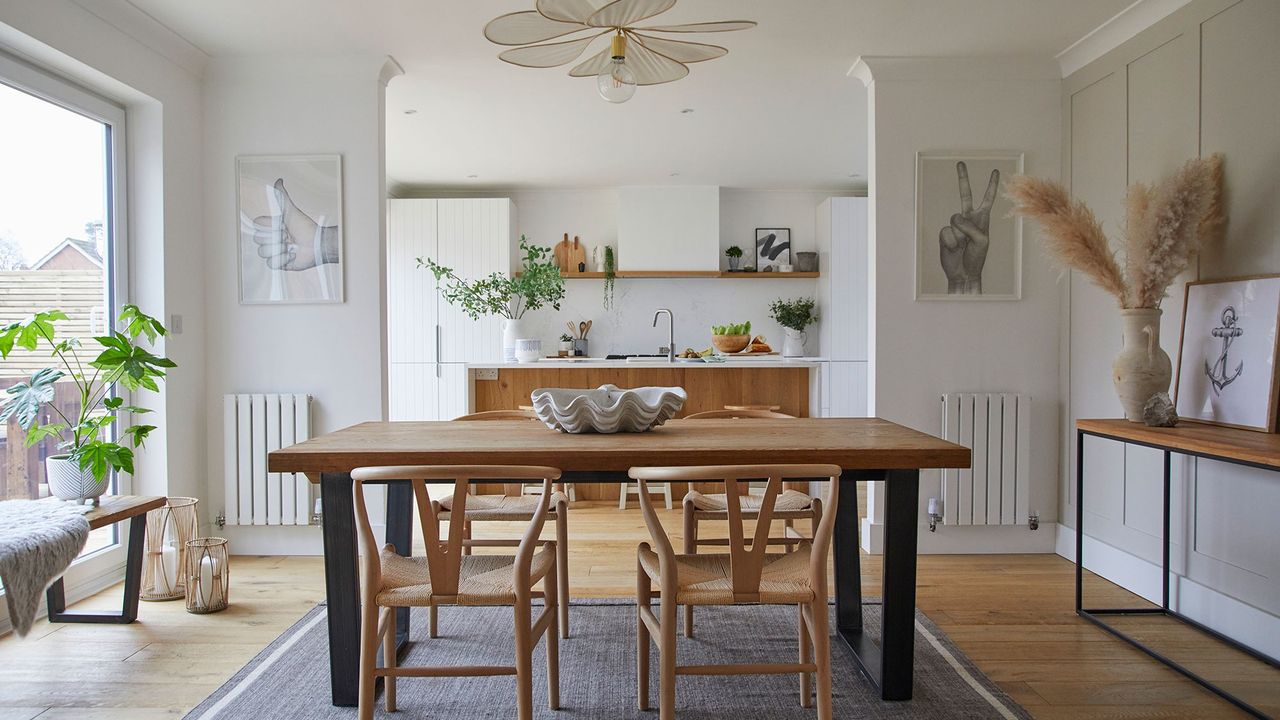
x=1141, y=369
x=1159, y=412
x=806, y=262
x=607, y=409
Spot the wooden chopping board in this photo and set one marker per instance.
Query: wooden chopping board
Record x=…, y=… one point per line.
x=577, y=255
x=561, y=254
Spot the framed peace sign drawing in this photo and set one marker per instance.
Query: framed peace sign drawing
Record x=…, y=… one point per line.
x=968, y=247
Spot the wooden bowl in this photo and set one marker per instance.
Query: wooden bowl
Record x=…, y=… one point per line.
x=730, y=343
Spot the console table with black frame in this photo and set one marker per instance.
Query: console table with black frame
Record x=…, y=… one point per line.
x=1238, y=447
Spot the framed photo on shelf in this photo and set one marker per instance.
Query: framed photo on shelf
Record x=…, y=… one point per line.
x=1227, y=358
x=773, y=247
x=289, y=210
x=968, y=247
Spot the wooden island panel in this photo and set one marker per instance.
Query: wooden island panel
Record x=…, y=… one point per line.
x=709, y=387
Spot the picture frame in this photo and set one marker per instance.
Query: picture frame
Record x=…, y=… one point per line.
x=1228, y=353
x=967, y=248
x=290, y=229
x=773, y=247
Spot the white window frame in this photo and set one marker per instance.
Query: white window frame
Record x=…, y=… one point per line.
x=104, y=567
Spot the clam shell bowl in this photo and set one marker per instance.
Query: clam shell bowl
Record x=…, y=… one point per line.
x=607, y=409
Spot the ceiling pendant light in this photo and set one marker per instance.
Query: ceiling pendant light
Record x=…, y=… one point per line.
x=635, y=56
x=617, y=82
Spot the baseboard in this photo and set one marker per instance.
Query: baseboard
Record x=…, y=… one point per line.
x=74, y=593
x=273, y=539
x=969, y=539
x=1231, y=617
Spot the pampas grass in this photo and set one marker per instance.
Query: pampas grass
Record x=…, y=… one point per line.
x=1166, y=225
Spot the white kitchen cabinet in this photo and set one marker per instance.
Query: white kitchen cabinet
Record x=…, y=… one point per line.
x=428, y=340
x=843, y=289
x=846, y=384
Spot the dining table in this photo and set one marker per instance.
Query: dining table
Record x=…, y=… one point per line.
x=866, y=449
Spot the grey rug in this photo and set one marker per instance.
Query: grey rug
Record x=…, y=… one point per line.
x=289, y=679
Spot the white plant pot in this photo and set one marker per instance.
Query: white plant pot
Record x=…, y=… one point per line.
x=528, y=351
x=793, y=343
x=1141, y=369
x=511, y=331
x=68, y=482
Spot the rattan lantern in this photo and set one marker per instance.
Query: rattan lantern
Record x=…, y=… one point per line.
x=169, y=528
x=208, y=575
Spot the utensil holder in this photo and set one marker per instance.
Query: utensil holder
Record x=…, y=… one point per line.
x=208, y=575
x=580, y=348
x=164, y=571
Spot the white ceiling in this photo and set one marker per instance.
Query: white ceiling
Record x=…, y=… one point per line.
x=777, y=112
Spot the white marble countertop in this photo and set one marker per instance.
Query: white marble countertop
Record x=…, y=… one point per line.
x=768, y=361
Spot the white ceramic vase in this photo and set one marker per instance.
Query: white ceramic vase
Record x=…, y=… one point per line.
x=528, y=350
x=511, y=331
x=793, y=343
x=1141, y=369
x=68, y=482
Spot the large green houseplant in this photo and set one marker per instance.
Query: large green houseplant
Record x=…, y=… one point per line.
x=508, y=296
x=91, y=451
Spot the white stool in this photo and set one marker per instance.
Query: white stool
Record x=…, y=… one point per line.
x=632, y=488
x=535, y=489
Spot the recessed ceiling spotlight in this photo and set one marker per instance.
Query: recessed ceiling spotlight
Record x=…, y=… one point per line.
x=675, y=174
x=410, y=112
x=472, y=177
x=687, y=111
x=854, y=175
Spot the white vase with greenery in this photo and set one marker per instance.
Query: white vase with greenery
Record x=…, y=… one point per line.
x=794, y=316
x=538, y=284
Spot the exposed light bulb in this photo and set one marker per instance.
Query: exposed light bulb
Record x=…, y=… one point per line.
x=617, y=82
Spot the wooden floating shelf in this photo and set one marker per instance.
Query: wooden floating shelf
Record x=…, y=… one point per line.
x=624, y=274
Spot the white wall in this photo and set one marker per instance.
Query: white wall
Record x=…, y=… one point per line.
x=923, y=349
x=272, y=105
x=156, y=77
x=545, y=215
x=1201, y=81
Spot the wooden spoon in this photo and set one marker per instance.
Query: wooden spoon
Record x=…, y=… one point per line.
x=586, y=329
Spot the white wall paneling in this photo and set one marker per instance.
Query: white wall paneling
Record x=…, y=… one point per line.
x=841, y=235
x=1202, y=80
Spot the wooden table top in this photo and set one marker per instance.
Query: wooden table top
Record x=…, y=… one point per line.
x=114, y=508
x=851, y=443
x=1247, y=446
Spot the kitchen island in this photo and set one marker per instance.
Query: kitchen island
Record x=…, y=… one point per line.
x=787, y=383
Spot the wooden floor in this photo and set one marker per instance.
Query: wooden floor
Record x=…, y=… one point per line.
x=1012, y=614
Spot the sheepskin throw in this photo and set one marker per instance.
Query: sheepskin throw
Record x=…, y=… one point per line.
x=38, y=541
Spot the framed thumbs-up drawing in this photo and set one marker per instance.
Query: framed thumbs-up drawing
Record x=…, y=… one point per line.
x=290, y=228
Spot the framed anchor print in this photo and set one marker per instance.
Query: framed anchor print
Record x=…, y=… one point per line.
x=1228, y=357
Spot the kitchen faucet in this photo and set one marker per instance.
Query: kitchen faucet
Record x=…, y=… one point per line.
x=671, y=333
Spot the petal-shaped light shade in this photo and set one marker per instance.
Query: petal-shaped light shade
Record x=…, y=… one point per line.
x=593, y=65
x=567, y=10
x=549, y=55
x=679, y=50
x=527, y=27
x=725, y=26
x=651, y=68
x=621, y=13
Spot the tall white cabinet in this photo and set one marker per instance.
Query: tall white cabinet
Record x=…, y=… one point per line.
x=429, y=341
x=844, y=301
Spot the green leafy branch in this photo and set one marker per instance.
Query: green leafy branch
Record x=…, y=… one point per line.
x=795, y=314
x=121, y=360
x=538, y=284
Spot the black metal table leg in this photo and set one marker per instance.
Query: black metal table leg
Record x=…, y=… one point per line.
x=56, y=599
x=341, y=565
x=848, y=561
x=888, y=665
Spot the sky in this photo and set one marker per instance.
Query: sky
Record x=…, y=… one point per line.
x=52, y=172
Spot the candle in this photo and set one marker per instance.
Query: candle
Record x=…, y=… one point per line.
x=169, y=569
x=205, y=592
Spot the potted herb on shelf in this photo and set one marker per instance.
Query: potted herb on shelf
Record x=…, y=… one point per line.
x=83, y=471
x=794, y=316
x=538, y=284
x=566, y=344
x=734, y=253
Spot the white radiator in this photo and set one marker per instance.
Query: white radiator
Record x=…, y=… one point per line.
x=997, y=428
x=254, y=425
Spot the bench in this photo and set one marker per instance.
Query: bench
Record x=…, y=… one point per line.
x=112, y=509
